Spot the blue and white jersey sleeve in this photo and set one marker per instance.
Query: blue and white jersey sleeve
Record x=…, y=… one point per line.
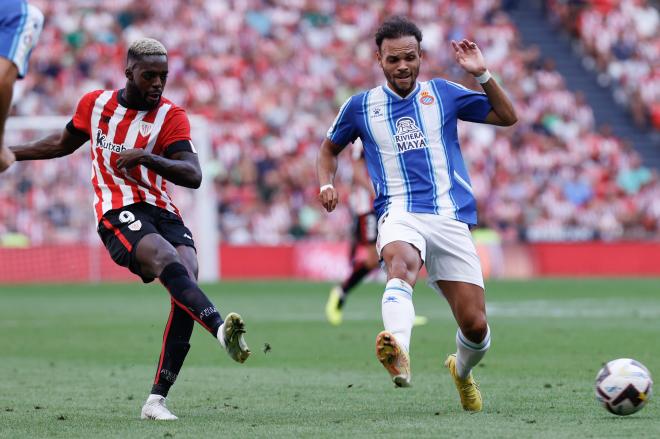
x=471, y=106
x=344, y=129
x=20, y=26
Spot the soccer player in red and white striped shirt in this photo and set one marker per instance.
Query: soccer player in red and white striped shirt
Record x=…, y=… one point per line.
x=139, y=141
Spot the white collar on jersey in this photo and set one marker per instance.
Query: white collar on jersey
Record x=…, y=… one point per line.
x=392, y=93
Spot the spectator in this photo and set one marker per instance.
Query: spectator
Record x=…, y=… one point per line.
x=268, y=76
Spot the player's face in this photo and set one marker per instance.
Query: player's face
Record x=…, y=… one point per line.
x=400, y=59
x=148, y=77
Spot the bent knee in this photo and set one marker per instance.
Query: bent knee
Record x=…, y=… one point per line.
x=165, y=256
x=475, y=328
x=154, y=264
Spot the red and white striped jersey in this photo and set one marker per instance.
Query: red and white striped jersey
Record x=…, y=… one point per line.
x=113, y=128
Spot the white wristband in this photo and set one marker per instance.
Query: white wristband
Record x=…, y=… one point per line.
x=326, y=186
x=483, y=78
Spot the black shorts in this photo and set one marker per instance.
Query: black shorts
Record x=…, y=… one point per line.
x=121, y=230
x=365, y=229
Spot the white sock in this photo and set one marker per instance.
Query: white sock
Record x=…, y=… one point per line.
x=220, y=336
x=398, y=311
x=469, y=354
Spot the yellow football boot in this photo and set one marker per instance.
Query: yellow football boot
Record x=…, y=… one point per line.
x=332, y=311
x=394, y=358
x=467, y=388
x=230, y=335
x=420, y=320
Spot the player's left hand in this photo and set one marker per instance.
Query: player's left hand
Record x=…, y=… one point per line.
x=469, y=57
x=131, y=158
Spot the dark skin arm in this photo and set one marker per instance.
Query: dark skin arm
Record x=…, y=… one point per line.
x=182, y=168
x=50, y=147
x=326, y=167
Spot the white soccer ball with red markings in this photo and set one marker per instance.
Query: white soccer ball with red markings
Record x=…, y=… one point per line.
x=623, y=386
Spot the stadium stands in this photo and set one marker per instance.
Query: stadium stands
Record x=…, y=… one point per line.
x=270, y=76
x=622, y=41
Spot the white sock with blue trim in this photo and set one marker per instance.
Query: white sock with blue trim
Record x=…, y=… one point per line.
x=398, y=311
x=469, y=354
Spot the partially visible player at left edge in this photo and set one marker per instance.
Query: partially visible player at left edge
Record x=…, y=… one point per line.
x=20, y=27
x=139, y=139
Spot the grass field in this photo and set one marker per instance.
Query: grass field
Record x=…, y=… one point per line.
x=77, y=361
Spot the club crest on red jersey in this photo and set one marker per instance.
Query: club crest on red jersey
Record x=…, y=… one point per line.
x=145, y=128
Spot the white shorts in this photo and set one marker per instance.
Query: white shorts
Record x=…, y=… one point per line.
x=445, y=245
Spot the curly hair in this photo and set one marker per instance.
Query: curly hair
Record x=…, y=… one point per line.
x=397, y=27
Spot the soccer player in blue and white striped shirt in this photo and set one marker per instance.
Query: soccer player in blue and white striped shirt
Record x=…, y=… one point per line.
x=20, y=26
x=424, y=199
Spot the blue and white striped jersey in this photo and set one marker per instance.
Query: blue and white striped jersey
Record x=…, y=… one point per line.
x=411, y=145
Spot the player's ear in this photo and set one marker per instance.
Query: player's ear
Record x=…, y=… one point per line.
x=379, y=57
x=129, y=73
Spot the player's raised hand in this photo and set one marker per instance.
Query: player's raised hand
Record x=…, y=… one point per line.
x=6, y=158
x=469, y=56
x=329, y=197
x=131, y=158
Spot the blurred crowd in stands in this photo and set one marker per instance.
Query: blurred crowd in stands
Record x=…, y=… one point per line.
x=269, y=76
x=621, y=39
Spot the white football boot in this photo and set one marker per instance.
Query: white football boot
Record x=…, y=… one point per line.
x=156, y=409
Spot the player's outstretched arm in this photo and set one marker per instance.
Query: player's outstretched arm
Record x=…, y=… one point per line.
x=470, y=58
x=326, y=167
x=181, y=168
x=55, y=145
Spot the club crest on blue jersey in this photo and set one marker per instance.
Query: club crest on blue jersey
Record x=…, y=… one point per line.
x=408, y=136
x=426, y=98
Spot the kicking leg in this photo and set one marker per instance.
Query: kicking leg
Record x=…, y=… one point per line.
x=158, y=258
x=472, y=338
x=177, y=270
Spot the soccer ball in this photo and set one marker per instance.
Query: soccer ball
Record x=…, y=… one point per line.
x=623, y=386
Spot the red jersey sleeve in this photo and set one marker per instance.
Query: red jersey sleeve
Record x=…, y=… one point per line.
x=175, y=128
x=82, y=118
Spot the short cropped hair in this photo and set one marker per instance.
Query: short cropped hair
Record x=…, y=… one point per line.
x=397, y=27
x=145, y=47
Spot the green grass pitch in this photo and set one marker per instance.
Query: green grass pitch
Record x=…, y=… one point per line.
x=77, y=361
